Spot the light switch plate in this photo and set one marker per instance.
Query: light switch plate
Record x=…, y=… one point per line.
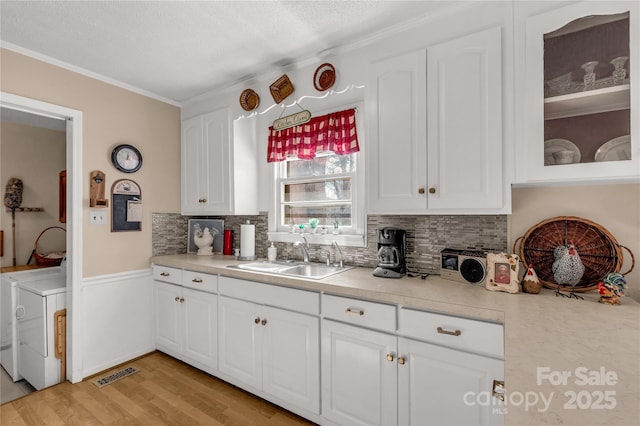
x=97, y=217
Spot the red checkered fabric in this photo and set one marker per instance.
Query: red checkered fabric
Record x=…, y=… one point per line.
x=334, y=132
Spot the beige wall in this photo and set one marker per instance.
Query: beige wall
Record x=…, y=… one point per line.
x=111, y=116
x=615, y=207
x=36, y=156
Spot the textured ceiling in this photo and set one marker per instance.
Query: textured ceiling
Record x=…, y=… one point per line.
x=179, y=49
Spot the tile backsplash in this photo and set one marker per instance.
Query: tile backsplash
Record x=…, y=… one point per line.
x=426, y=236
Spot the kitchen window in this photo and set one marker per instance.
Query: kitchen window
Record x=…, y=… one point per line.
x=325, y=190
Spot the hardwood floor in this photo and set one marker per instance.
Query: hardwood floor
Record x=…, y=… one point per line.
x=164, y=392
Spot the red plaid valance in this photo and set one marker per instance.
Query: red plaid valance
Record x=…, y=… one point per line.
x=334, y=132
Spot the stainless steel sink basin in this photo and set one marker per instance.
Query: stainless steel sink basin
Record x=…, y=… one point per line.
x=315, y=271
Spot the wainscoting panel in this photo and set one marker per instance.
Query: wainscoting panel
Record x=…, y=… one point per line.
x=116, y=320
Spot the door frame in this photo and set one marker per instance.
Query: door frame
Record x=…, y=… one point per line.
x=73, y=119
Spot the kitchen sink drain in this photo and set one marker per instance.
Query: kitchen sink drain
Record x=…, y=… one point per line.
x=114, y=377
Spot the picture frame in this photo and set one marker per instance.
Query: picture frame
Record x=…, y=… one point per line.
x=218, y=240
x=503, y=272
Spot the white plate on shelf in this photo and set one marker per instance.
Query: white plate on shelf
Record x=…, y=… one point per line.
x=555, y=146
x=614, y=150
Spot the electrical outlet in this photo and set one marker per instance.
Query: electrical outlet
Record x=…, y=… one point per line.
x=97, y=217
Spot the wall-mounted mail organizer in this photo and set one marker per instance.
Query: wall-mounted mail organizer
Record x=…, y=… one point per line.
x=126, y=206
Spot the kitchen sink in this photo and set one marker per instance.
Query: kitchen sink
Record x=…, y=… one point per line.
x=315, y=271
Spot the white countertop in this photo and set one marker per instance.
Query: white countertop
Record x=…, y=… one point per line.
x=595, y=347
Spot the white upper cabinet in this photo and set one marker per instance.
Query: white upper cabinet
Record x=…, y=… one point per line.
x=464, y=91
x=436, y=133
x=217, y=164
x=578, y=94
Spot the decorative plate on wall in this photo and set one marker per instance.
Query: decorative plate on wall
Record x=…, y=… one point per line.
x=324, y=77
x=281, y=88
x=249, y=100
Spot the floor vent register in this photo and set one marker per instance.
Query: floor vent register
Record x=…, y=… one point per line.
x=114, y=377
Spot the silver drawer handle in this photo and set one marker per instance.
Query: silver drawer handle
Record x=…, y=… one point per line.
x=354, y=311
x=452, y=333
x=197, y=280
x=164, y=274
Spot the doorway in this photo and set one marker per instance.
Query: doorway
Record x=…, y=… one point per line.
x=73, y=126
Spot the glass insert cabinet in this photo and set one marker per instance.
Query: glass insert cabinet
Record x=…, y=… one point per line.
x=581, y=66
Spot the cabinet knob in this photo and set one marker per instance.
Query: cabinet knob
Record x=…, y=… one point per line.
x=197, y=280
x=181, y=300
x=420, y=190
x=401, y=360
x=497, y=390
x=177, y=299
x=390, y=357
x=263, y=322
x=257, y=320
x=432, y=190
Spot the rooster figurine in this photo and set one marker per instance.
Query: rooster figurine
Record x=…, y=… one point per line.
x=611, y=288
x=531, y=282
x=567, y=269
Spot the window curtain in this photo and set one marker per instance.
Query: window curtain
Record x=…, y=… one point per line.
x=334, y=132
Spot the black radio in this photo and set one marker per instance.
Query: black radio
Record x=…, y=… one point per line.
x=468, y=266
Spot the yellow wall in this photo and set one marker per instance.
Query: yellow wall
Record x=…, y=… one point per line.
x=615, y=207
x=111, y=115
x=36, y=156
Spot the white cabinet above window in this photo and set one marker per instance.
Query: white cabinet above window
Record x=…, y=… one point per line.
x=436, y=134
x=218, y=164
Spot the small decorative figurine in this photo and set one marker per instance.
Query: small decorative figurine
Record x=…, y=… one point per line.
x=531, y=282
x=612, y=289
x=567, y=269
x=204, y=239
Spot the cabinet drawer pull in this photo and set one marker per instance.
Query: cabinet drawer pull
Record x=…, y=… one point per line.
x=498, y=390
x=202, y=200
x=354, y=311
x=452, y=333
x=390, y=357
x=197, y=280
x=257, y=320
x=164, y=274
x=401, y=360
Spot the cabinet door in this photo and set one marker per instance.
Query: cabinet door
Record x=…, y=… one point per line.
x=291, y=357
x=579, y=121
x=168, y=318
x=397, y=149
x=464, y=86
x=442, y=386
x=240, y=340
x=206, y=164
x=200, y=313
x=359, y=375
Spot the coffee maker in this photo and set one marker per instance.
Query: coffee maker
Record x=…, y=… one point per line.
x=391, y=253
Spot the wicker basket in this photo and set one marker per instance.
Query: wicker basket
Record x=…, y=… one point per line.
x=598, y=249
x=43, y=259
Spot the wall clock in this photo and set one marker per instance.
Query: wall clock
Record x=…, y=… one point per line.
x=126, y=158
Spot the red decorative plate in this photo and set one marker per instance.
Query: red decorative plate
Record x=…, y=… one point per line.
x=324, y=77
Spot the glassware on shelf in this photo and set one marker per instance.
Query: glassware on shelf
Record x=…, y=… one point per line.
x=589, y=76
x=619, y=72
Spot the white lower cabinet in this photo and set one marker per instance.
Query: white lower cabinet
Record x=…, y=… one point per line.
x=186, y=324
x=372, y=377
x=271, y=349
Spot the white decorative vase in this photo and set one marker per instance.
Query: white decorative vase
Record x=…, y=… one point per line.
x=589, y=76
x=619, y=73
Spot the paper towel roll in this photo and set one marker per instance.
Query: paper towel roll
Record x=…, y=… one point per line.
x=247, y=241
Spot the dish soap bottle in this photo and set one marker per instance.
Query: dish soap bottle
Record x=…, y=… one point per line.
x=272, y=253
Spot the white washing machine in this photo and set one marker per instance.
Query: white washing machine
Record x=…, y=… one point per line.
x=35, y=296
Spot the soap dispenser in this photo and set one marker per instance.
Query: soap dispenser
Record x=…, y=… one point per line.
x=272, y=253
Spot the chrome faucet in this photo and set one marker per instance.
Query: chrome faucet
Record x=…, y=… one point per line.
x=304, y=246
x=335, y=243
